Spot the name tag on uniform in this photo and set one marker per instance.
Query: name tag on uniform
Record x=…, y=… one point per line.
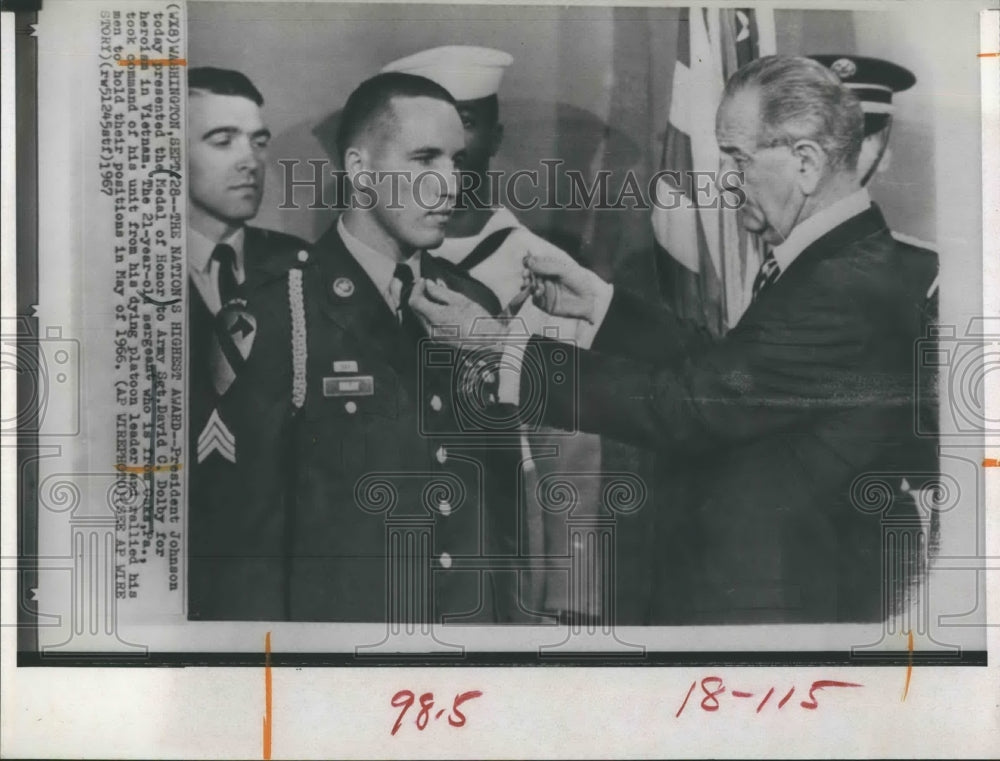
x=359, y=385
x=345, y=366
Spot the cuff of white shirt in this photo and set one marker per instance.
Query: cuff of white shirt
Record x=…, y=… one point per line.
x=509, y=391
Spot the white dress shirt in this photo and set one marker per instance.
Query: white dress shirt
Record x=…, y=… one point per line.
x=204, y=270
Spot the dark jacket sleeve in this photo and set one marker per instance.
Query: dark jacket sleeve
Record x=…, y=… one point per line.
x=768, y=375
x=634, y=327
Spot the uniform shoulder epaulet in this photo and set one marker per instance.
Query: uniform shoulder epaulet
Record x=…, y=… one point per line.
x=909, y=240
x=284, y=251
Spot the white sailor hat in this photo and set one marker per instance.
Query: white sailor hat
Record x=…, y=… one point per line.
x=466, y=71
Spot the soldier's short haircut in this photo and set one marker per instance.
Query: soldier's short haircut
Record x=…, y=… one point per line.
x=372, y=100
x=801, y=98
x=223, y=82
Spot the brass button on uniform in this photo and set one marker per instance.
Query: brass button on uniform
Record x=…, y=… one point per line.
x=445, y=560
x=351, y=407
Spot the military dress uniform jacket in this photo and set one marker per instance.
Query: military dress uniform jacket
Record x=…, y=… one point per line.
x=765, y=436
x=388, y=454
x=237, y=510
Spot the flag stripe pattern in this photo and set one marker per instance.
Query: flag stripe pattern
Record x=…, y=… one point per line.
x=706, y=261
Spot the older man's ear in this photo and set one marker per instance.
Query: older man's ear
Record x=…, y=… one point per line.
x=813, y=164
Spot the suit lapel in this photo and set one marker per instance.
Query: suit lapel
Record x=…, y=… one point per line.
x=858, y=227
x=867, y=223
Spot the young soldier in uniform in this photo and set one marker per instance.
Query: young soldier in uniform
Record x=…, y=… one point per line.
x=244, y=305
x=486, y=240
x=399, y=497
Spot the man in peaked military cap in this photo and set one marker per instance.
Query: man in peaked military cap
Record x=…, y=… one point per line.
x=386, y=455
x=246, y=365
x=486, y=240
x=874, y=81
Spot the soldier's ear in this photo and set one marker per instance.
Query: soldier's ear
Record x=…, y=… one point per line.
x=354, y=162
x=497, y=139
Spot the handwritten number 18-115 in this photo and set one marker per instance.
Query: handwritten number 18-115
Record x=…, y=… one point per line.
x=405, y=698
x=712, y=688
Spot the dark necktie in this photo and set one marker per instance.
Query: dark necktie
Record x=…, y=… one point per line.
x=768, y=273
x=408, y=321
x=229, y=289
x=404, y=275
x=234, y=329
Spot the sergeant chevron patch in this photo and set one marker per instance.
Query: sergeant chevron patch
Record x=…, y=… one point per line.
x=216, y=438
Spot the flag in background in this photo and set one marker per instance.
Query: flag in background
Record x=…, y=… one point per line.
x=706, y=261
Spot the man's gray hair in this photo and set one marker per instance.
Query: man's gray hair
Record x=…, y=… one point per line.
x=800, y=98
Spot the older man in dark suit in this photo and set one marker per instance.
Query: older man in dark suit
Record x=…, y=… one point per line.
x=772, y=425
x=243, y=311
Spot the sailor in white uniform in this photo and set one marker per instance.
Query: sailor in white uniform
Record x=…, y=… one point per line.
x=488, y=242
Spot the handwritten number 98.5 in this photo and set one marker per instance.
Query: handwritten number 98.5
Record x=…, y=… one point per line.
x=405, y=698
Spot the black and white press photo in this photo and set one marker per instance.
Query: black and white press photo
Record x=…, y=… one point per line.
x=491, y=335
x=479, y=328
